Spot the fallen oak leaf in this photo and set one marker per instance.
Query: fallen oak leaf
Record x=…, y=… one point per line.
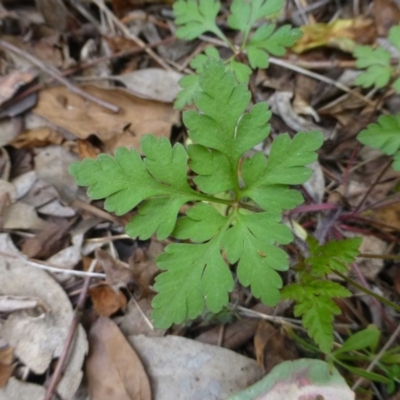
x=114, y=370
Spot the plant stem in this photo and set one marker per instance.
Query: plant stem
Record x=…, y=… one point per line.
x=380, y=256
x=369, y=292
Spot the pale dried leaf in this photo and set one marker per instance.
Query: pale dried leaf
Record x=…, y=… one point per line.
x=118, y=274
x=51, y=165
x=24, y=183
x=23, y=216
x=18, y=390
x=12, y=82
x=113, y=368
x=37, y=339
x=152, y=83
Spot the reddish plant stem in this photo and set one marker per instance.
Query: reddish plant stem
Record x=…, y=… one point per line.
x=313, y=208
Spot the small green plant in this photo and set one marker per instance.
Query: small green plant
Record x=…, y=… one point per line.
x=313, y=294
x=194, y=18
x=253, y=192
x=377, y=62
x=385, y=134
x=358, y=350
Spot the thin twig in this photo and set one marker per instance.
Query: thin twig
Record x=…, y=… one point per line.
x=70, y=337
x=52, y=268
x=57, y=76
x=129, y=34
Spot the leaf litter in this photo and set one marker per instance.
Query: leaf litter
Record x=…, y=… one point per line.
x=43, y=227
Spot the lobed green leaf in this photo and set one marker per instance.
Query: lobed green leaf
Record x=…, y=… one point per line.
x=244, y=13
x=266, y=40
x=384, y=136
x=194, y=18
x=126, y=180
x=196, y=276
x=332, y=256
x=377, y=62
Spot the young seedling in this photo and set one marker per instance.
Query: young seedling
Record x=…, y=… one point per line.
x=255, y=191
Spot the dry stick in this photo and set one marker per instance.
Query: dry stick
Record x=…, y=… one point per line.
x=70, y=338
x=51, y=268
x=378, y=356
x=130, y=35
x=56, y=75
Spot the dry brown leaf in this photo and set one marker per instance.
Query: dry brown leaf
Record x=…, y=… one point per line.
x=386, y=14
x=121, y=7
x=342, y=33
x=86, y=149
x=6, y=367
x=143, y=265
x=12, y=82
x=106, y=300
x=37, y=138
x=387, y=214
x=152, y=83
x=48, y=52
x=236, y=334
x=39, y=337
x=57, y=15
x=272, y=346
x=51, y=165
x=114, y=370
x=137, y=319
x=118, y=274
x=47, y=242
x=23, y=216
x=136, y=118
